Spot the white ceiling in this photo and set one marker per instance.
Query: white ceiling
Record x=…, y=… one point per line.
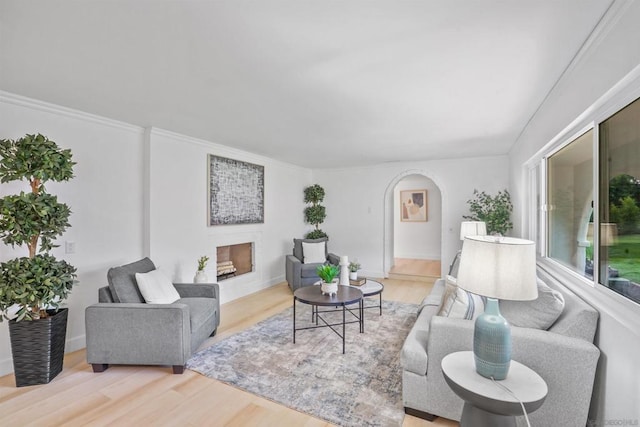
x=318, y=83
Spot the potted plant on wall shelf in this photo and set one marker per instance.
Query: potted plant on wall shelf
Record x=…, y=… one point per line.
x=201, y=276
x=328, y=273
x=32, y=288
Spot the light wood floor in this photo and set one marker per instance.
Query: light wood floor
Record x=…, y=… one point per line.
x=134, y=395
x=424, y=268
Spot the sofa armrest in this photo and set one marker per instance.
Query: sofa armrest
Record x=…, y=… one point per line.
x=141, y=334
x=333, y=259
x=198, y=290
x=293, y=271
x=567, y=364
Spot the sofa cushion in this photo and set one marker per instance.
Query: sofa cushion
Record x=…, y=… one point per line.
x=122, y=281
x=460, y=304
x=297, y=245
x=414, y=356
x=310, y=270
x=539, y=313
x=156, y=288
x=313, y=253
x=434, y=298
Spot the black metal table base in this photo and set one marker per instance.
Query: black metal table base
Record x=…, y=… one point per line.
x=316, y=316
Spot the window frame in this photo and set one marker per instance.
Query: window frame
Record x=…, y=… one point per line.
x=617, y=98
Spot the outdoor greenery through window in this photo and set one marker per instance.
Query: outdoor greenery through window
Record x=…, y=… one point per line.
x=619, y=207
x=571, y=232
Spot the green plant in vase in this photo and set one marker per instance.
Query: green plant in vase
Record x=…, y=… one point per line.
x=328, y=273
x=201, y=276
x=316, y=213
x=495, y=211
x=34, y=286
x=354, y=266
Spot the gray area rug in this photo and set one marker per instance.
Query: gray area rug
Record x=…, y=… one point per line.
x=360, y=388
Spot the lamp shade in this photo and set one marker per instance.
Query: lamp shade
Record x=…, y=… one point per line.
x=498, y=267
x=472, y=228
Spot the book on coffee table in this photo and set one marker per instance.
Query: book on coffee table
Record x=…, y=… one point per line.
x=358, y=282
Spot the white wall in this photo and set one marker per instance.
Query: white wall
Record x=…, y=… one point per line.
x=359, y=204
x=140, y=193
x=418, y=240
x=179, y=234
x=609, y=56
x=105, y=197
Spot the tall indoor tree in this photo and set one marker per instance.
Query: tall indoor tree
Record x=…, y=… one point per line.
x=35, y=285
x=316, y=213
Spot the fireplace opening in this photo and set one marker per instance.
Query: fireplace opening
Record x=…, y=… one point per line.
x=234, y=260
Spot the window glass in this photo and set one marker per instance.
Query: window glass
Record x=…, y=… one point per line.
x=569, y=200
x=619, y=207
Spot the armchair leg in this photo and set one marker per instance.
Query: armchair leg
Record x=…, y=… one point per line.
x=178, y=369
x=420, y=414
x=99, y=367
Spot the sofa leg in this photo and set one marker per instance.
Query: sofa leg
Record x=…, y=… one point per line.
x=99, y=367
x=214, y=332
x=420, y=414
x=178, y=369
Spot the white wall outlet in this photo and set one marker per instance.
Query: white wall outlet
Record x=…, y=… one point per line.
x=69, y=247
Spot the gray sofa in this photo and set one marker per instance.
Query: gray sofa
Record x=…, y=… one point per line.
x=564, y=355
x=298, y=273
x=123, y=329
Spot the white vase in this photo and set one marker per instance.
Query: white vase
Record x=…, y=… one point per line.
x=200, y=277
x=329, y=288
x=353, y=275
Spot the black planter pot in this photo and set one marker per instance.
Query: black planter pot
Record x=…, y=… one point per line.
x=38, y=347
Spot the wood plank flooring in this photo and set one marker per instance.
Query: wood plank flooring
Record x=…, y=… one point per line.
x=135, y=395
x=415, y=269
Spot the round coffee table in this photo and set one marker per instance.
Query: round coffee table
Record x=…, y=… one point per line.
x=312, y=295
x=369, y=289
x=488, y=404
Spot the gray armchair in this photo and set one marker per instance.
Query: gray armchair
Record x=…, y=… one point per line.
x=298, y=273
x=123, y=329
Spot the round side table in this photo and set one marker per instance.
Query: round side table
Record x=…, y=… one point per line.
x=487, y=404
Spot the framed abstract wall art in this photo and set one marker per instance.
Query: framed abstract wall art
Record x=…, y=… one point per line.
x=236, y=192
x=413, y=205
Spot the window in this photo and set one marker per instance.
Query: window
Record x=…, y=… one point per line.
x=578, y=218
x=619, y=204
x=569, y=196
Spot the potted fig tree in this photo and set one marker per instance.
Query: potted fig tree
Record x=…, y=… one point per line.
x=33, y=287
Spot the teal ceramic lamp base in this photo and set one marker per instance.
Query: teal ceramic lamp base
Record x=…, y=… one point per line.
x=492, y=342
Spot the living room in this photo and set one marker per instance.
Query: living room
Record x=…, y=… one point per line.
x=140, y=189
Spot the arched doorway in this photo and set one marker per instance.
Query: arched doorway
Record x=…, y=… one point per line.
x=412, y=237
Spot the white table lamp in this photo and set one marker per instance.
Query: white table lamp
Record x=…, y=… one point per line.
x=497, y=268
x=472, y=228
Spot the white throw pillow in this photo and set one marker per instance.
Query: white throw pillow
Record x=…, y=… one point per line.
x=313, y=252
x=156, y=288
x=460, y=304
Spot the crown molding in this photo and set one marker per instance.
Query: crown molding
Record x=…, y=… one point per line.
x=35, y=104
x=222, y=149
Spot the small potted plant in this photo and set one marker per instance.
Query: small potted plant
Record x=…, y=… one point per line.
x=354, y=266
x=201, y=276
x=328, y=273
